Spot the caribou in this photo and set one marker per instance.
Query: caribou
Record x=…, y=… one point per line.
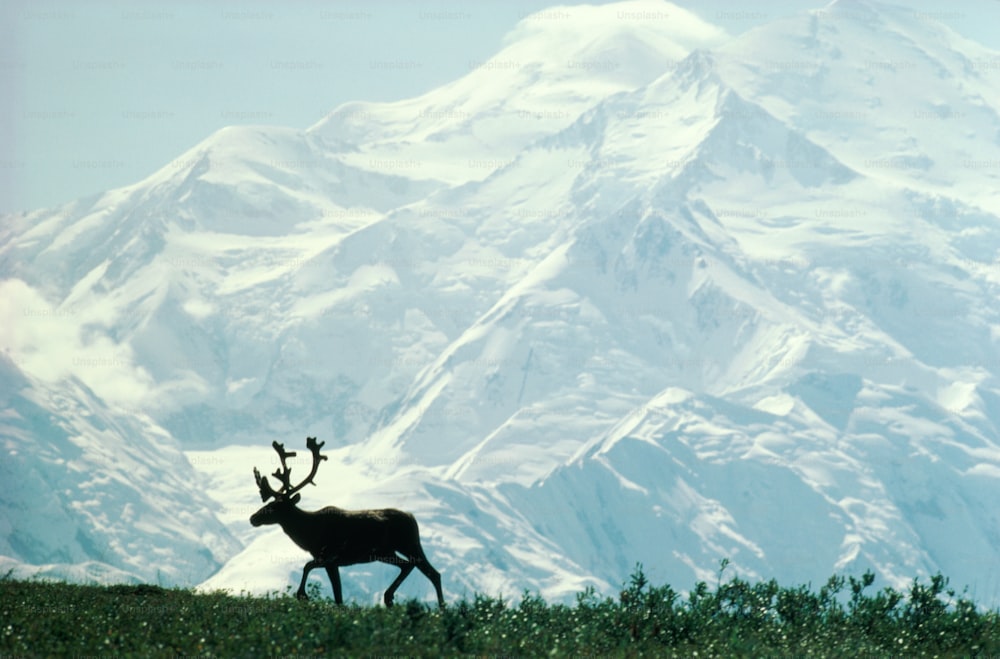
x=336, y=537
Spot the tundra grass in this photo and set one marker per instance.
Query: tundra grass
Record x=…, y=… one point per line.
x=845, y=617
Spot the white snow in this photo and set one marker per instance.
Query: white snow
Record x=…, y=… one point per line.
x=632, y=290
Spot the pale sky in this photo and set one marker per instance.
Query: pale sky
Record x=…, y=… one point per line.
x=100, y=94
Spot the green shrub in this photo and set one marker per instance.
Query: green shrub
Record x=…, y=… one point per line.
x=735, y=618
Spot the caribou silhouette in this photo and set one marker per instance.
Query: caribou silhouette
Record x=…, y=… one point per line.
x=336, y=537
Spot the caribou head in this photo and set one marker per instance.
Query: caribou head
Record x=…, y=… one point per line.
x=287, y=496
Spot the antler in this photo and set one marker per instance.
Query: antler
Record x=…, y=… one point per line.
x=266, y=492
x=285, y=473
x=313, y=446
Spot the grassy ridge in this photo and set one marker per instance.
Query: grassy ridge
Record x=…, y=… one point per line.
x=736, y=618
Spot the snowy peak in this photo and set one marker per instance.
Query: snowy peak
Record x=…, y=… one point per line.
x=553, y=66
x=746, y=138
x=691, y=124
x=859, y=10
x=860, y=78
x=631, y=42
x=264, y=181
x=663, y=19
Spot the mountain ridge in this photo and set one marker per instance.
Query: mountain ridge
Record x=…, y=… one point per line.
x=683, y=321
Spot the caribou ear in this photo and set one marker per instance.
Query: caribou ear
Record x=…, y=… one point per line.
x=295, y=498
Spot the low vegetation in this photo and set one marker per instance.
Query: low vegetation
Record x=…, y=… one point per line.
x=734, y=618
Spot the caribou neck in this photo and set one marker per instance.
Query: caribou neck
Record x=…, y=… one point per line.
x=300, y=526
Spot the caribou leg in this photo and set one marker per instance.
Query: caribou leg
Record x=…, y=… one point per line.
x=435, y=577
x=309, y=567
x=421, y=563
x=404, y=571
x=406, y=566
x=334, y=574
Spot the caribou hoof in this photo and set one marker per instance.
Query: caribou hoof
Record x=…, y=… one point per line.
x=302, y=595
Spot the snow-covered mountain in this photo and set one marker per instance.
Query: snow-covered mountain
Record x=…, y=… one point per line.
x=95, y=494
x=635, y=291
x=554, y=65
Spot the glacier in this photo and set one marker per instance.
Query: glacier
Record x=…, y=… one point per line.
x=657, y=295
